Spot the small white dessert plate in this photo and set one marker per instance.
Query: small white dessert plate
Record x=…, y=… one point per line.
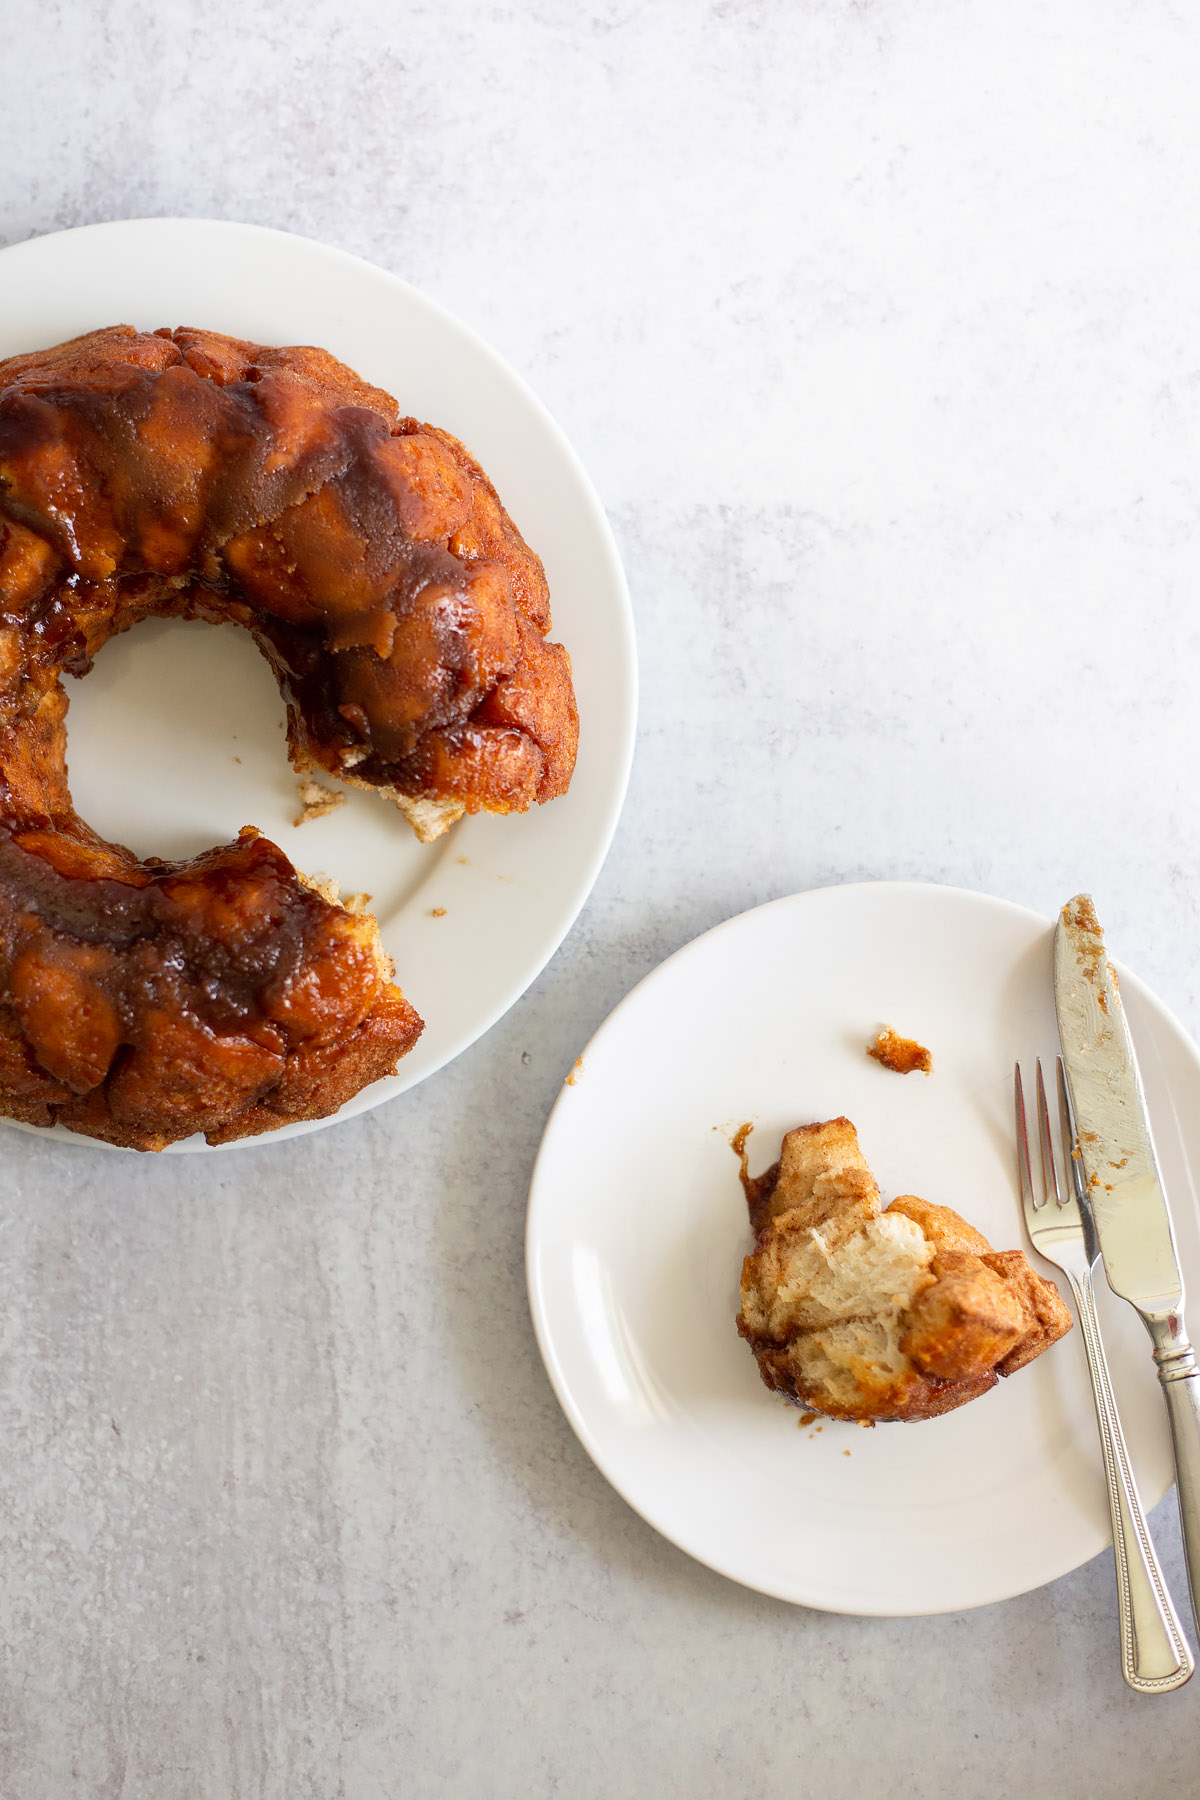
x=637, y=1230
x=176, y=737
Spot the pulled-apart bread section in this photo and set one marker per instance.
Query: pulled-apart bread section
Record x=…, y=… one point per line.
x=145, y=1001
x=863, y=1313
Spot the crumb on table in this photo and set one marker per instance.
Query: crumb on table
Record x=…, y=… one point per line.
x=904, y=1055
x=316, y=801
x=437, y=912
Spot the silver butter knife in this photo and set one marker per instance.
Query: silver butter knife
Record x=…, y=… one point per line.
x=1125, y=1188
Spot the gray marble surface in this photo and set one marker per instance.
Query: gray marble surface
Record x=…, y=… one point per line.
x=876, y=326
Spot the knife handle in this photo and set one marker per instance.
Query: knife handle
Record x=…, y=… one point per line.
x=1180, y=1377
x=1155, y=1656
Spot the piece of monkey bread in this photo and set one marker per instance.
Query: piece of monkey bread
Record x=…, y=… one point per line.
x=865, y=1314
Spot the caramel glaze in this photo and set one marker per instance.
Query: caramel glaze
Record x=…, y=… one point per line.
x=190, y=475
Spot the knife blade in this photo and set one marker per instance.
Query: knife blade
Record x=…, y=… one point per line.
x=1115, y=1148
x=1114, y=1143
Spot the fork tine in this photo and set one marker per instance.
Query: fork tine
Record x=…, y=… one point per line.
x=1070, y=1148
x=1046, y=1142
x=1023, y=1169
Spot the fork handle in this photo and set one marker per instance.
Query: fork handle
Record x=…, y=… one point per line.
x=1180, y=1378
x=1155, y=1656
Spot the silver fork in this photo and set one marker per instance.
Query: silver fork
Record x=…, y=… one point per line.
x=1154, y=1652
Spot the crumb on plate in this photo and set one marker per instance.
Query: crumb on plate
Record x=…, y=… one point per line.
x=316, y=801
x=904, y=1055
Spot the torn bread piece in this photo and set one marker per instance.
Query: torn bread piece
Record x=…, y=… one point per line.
x=865, y=1314
x=330, y=890
x=429, y=818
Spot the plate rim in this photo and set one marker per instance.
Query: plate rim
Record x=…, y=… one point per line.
x=608, y=815
x=537, y=1203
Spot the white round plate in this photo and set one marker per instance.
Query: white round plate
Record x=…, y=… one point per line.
x=176, y=737
x=637, y=1230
